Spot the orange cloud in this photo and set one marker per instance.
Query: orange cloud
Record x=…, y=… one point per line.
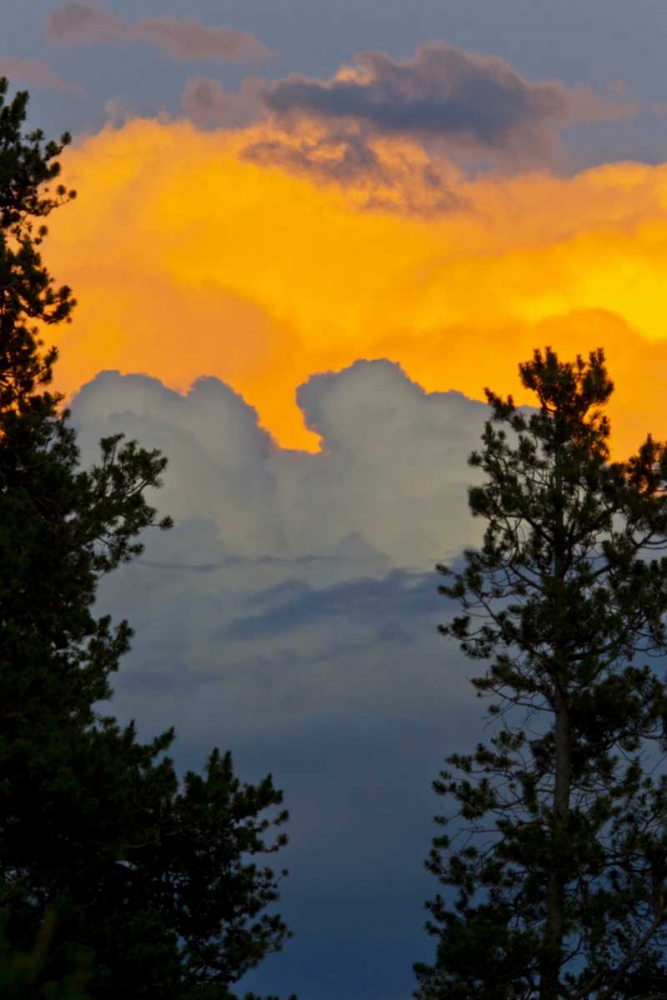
x=189, y=260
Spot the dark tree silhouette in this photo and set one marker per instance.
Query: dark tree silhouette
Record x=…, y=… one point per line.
x=560, y=881
x=94, y=834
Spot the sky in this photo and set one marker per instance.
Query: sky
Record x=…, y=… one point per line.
x=306, y=237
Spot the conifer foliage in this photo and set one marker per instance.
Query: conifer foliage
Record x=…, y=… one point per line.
x=150, y=888
x=557, y=886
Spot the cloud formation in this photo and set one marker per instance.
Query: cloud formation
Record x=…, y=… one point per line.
x=207, y=103
x=34, y=73
x=277, y=618
x=384, y=175
x=314, y=567
x=214, y=265
x=476, y=102
x=393, y=458
x=185, y=39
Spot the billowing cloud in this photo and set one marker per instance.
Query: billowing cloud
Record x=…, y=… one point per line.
x=186, y=39
x=472, y=101
x=213, y=265
x=315, y=566
x=34, y=73
x=393, y=458
x=207, y=103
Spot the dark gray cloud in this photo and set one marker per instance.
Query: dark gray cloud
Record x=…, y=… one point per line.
x=444, y=93
x=385, y=605
x=207, y=103
x=399, y=182
x=337, y=156
x=186, y=39
x=350, y=159
x=342, y=157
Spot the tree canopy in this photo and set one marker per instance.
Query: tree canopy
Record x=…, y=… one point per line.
x=559, y=883
x=152, y=886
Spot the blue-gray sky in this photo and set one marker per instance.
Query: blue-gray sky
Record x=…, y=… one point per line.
x=291, y=615
x=600, y=42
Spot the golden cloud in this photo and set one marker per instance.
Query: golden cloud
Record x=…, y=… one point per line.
x=188, y=259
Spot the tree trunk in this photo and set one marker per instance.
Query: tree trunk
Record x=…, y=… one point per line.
x=552, y=947
x=554, y=927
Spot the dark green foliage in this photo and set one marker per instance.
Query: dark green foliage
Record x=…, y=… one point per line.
x=94, y=833
x=20, y=971
x=560, y=880
x=27, y=293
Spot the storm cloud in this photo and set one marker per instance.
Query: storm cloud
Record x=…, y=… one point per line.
x=185, y=39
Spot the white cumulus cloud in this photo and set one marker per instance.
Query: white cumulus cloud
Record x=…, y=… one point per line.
x=293, y=582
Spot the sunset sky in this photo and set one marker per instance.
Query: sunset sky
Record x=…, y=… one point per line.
x=307, y=235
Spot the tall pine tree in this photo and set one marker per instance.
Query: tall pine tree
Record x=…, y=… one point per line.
x=559, y=883
x=94, y=835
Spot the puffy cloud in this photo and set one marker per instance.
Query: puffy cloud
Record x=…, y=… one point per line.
x=207, y=103
x=186, y=39
x=476, y=102
x=393, y=459
x=34, y=73
x=314, y=568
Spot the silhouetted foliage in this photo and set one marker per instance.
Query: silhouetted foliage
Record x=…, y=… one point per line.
x=21, y=973
x=94, y=834
x=560, y=880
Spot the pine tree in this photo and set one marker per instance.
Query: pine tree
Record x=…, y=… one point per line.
x=20, y=971
x=559, y=883
x=94, y=834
